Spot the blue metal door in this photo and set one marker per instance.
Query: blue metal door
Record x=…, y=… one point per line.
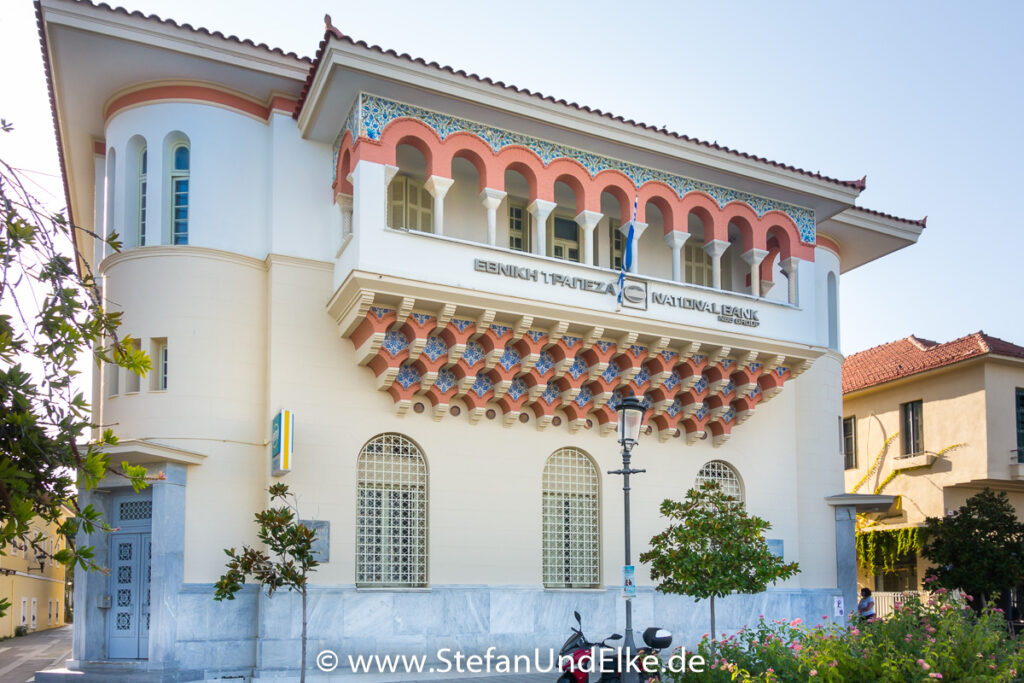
x=128, y=617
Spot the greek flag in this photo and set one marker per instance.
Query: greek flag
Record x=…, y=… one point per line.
x=627, y=252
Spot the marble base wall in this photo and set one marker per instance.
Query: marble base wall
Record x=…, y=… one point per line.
x=257, y=635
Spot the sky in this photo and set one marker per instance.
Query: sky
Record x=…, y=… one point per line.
x=924, y=97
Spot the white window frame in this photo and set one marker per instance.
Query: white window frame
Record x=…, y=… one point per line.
x=141, y=217
x=159, y=375
x=727, y=477
x=616, y=244
x=566, y=245
x=571, y=520
x=392, y=503
x=410, y=206
x=697, y=264
x=177, y=175
x=525, y=226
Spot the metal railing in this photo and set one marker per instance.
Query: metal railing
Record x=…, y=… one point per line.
x=885, y=601
x=1017, y=456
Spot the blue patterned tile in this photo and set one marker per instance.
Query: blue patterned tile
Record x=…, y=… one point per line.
x=674, y=409
x=584, y=397
x=603, y=345
x=482, y=385
x=461, y=324
x=536, y=336
x=702, y=412
x=577, y=368
x=551, y=392
x=501, y=330
x=701, y=384
x=395, y=342
x=474, y=353
x=642, y=376
x=510, y=358
x=375, y=113
x=445, y=380
x=570, y=341
x=610, y=372
x=672, y=381
x=435, y=348
x=380, y=312
x=780, y=371
x=669, y=355
x=422, y=318
x=517, y=388
x=545, y=362
x=407, y=376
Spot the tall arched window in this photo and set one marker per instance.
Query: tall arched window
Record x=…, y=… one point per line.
x=142, y=199
x=833, y=312
x=725, y=475
x=180, y=168
x=392, y=527
x=572, y=521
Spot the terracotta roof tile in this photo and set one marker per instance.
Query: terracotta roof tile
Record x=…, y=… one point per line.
x=333, y=32
x=922, y=222
x=912, y=355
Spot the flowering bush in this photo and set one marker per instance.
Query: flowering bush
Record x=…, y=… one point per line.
x=939, y=639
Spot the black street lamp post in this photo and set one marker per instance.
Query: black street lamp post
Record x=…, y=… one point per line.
x=631, y=416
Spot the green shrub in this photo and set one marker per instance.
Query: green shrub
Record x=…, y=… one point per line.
x=938, y=639
x=20, y=630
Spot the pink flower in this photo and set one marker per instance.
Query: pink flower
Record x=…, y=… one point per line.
x=930, y=629
x=854, y=632
x=935, y=675
x=834, y=663
x=796, y=622
x=967, y=597
x=908, y=637
x=812, y=672
x=770, y=670
x=824, y=616
x=941, y=591
x=992, y=666
x=924, y=665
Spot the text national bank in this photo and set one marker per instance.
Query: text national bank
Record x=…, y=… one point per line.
x=395, y=288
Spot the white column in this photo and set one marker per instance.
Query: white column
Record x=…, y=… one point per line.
x=492, y=199
x=715, y=249
x=370, y=196
x=344, y=202
x=675, y=240
x=754, y=258
x=438, y=187
x=540, y=209
x=638, y=229
x=790, y=267
x=587, y=220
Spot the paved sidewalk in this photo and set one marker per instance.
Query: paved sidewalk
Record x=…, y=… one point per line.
x=20, y=658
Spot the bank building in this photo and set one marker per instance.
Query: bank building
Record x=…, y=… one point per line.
x=401, y=279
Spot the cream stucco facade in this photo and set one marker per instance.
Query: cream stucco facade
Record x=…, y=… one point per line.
x=268, y=266
x=970, y=427
x=32, y=582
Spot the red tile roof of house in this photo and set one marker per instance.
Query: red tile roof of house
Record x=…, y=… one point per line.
x=912, y=355
x=333, y=32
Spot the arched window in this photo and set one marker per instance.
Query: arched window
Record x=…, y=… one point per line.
x=180, y=167
x=572, y=521
x=392, y=527
x=833, y=313
x=142, y=199
x=725, y=475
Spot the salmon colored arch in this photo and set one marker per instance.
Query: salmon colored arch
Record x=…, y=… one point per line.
x=779, y=225
x=620, y=187
x=706, y=209
x=749, y=225
x=344, y=165
x=528, y=175
x=662, y=196
x=767, y=269
x=414, y=133
x=572, y=173
x=470, y=147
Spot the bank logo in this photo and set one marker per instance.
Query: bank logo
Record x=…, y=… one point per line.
x=634, y=294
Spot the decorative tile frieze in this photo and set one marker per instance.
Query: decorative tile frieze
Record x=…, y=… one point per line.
x=371, y=114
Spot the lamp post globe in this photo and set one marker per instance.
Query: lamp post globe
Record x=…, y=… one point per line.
x=631, y=417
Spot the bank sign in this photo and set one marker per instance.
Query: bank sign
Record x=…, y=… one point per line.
x=635, y=292
x=282, y=439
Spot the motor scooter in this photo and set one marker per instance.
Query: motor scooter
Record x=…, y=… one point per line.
x=577, y=653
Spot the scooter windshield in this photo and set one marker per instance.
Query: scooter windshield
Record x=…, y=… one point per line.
x=575, y=642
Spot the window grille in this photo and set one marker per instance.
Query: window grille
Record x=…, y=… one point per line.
x=571, y=520
x=725, y=475
x=142, y=200
x=135, y=510
x=518, y=227
x=392, y=527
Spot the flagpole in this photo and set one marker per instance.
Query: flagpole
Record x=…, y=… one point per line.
x=627, y=255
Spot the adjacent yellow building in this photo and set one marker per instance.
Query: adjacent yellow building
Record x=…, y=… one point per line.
x=932, y=424
x=33, y=582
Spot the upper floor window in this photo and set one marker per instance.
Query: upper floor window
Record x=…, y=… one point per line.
x=697, y=264
x=565, y=242
x=1020, y=425
x=142, y=199
x=518, y=227
x=391, y=536
x=850, y=443
x=571, y=521
x=912, y=426
x=410, y=206
x=616, y=241
x=180, y=169
x=726, y=477
x=160, y=368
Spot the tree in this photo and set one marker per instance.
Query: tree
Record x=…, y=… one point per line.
x=713, y=548
x=291, y=543
x=50, y=314
x=979, y=548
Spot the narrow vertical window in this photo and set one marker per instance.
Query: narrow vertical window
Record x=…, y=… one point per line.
x=1020, y=425
x=131, y=379
x=850, y=443
x=518, y=227
x=912, y=437
x=410, y=206
x=180, y=170
x=571, y=521
x=391, y=536
x=142, y=199
x=158, y=354
x=566, y=239
x=616, y=240
x=697, y=264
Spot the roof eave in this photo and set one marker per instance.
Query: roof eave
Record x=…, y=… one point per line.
x=344, y=54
